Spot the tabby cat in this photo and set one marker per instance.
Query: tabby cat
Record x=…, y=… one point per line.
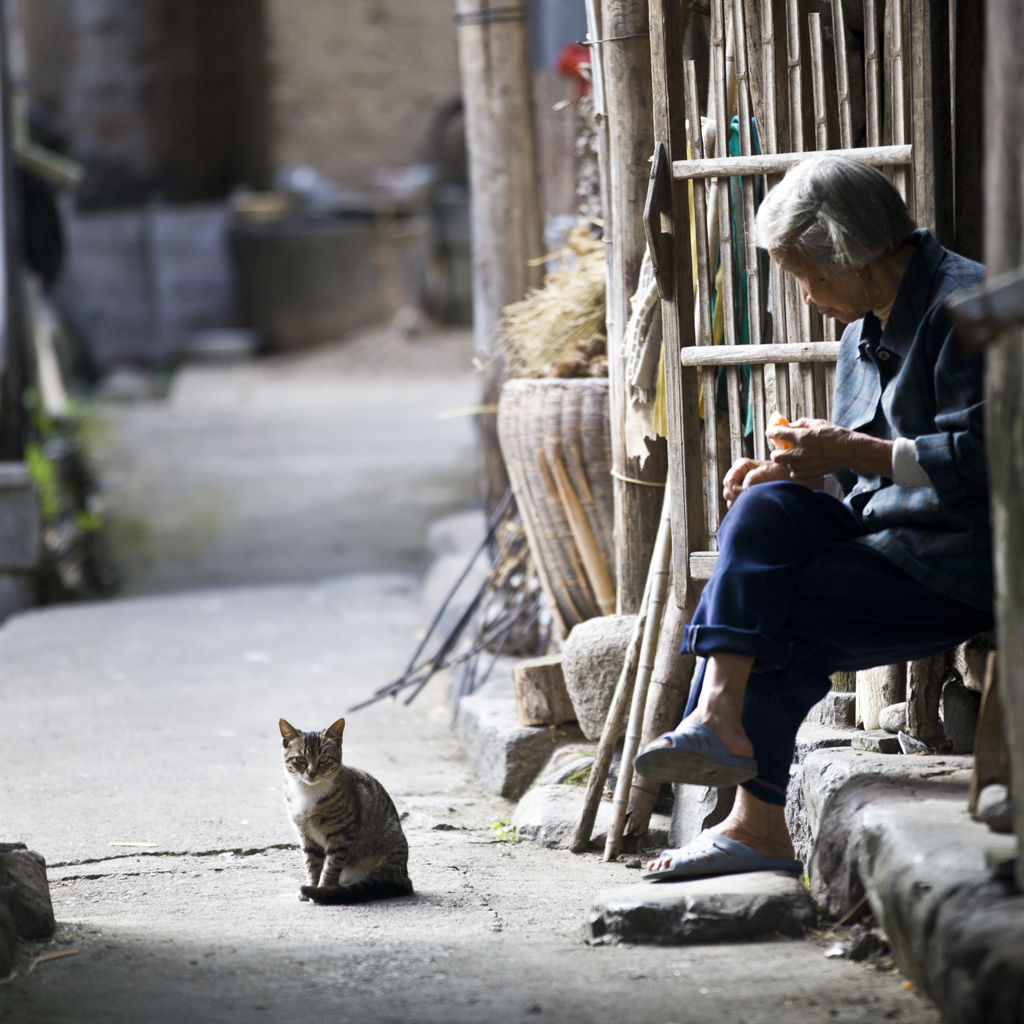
x=355, y=848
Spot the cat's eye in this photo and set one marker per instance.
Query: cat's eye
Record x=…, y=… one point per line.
x=324, y=760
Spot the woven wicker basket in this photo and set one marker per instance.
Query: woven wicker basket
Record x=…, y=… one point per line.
x=555, y=438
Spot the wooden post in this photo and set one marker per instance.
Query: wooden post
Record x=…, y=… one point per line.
x=931, y=120
x=626, y=66
x=1004, y=426
x=505, y=204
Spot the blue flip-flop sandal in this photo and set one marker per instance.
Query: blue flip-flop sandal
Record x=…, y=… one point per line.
x=711, y=854
x=693, y=754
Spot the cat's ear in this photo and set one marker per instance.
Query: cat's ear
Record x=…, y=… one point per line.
x=333, y=732
x=289, y=732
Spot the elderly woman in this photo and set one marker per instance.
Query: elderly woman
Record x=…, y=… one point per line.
x=866, y=542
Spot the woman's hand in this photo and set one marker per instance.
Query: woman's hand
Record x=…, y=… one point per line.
x=820, y=447
x=746, y=473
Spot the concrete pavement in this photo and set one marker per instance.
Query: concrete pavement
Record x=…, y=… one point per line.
x=153, y=720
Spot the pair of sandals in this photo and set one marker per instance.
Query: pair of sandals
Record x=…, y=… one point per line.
x=694, y=754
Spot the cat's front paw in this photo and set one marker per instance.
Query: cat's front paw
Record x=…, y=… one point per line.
x=302, y=895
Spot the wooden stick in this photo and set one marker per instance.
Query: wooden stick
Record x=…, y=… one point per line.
x=818, y=84
x=802, y=352
x=593, y=561
x=757, y=399
x=723, y=110
x=661, y=564
x=895, y=76
x=705, y=284
x=612, y=730
x=666, y=701
x=872, y=90
x=779, y=163
x=842, y=75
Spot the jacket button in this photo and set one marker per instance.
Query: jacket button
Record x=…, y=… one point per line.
x=883, y=355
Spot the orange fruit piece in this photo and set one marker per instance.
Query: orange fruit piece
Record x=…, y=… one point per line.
x=778, y=420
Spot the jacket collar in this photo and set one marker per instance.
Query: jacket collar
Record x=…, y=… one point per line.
x=912, y=300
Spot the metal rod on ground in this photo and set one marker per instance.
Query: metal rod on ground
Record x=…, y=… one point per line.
x=661, y=564
x=613, y=726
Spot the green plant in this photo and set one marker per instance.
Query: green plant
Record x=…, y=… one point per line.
x=503, y=830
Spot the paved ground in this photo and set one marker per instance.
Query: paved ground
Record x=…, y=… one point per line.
x=291, y=468
x=153, y=720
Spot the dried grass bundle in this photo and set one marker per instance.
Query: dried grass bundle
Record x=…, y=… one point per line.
x=559, y=329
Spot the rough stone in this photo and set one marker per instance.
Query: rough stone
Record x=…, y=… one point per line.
x=508, y=755
x=541, y=696
x=959, y=713
x=994, y=808
x=591, y=663
x=730, y=908
x=878, y=741
x=893, y=718
x=877, y=688
x=25, y=891
x=969, y=660
x=8, y=943
x=812, y=736
x=696, y=808
x=547, y=814
x=835, y=709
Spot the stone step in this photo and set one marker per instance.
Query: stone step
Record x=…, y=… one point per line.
x=728, y=908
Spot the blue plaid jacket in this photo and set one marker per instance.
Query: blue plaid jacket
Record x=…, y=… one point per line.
x=912, y=380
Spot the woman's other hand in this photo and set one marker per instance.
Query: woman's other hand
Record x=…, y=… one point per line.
x=820, y=447
x=746, y=473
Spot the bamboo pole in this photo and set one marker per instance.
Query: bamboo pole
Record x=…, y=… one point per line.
x=661, y=564
x=872, y=89
x=705, y=285
x=666, y=701
x=779, y=163
x=719, y=355
x=842, y=75
x=505, y=211
x=757, y=397
x=613, y=726
x=821, y=126
x=626, y=63
x=723, y=110
x=894, y=11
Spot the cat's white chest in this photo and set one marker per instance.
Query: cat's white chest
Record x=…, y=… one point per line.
x=302, y=799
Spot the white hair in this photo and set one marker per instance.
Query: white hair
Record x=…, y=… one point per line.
x=835, y=212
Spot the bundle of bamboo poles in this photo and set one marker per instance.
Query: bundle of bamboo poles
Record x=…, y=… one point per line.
x=649, y=698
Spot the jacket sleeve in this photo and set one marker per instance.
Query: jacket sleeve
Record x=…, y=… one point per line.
x=954, y=456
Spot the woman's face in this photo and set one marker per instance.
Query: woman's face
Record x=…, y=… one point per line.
x=846, y=295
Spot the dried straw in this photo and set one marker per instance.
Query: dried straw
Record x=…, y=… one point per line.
x=558, y=330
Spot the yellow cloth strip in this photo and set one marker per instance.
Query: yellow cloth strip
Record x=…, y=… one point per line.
x=469, y=410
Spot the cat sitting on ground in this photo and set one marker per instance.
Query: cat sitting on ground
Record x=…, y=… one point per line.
x=355, y=848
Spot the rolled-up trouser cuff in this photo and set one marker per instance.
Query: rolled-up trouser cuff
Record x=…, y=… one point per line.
x=768, y=654
x=767, y=791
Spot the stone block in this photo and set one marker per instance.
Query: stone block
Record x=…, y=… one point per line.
x=878, y=741
x=541, y=696
x=8, y=943
x=20, y=521
x=969, y=660
x=696, y=808
x=835, y=709
x=25, y=891
x=877, y=688
x=811, y=736
x=508, y=755
x=729, y=908
x=592, y=660
x=994, y=808
x=893, y=718
x=959, y=714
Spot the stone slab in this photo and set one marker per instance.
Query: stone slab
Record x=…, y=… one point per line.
x=25, y=891
x=813, y=736
x=729, y=908
x=876, y=741
x=547, y=815
x=8, y=943
x=835, y=709
x=508, y=755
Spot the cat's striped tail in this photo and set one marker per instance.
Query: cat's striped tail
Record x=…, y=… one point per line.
x=357, y=892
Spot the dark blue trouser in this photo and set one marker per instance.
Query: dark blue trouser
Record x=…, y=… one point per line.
x=793, y=590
